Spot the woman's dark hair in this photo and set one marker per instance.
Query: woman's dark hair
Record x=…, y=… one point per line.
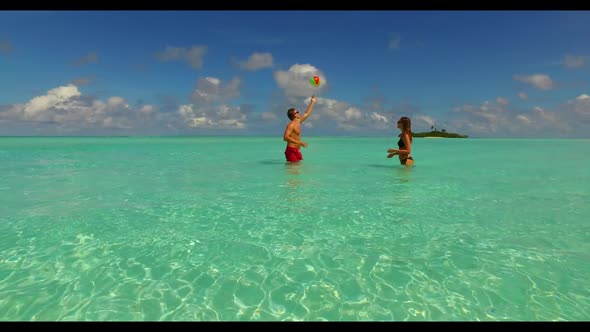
x=406, y=126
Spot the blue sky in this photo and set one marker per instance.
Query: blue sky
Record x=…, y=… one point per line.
x=485, y=74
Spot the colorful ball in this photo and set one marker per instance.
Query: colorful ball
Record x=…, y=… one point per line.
x=315, y=81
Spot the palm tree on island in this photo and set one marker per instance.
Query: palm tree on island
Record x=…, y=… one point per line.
x=434, y=132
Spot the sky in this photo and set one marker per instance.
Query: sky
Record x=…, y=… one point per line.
x=513, y=74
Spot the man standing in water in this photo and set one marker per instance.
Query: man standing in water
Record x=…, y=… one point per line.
x=293, y=132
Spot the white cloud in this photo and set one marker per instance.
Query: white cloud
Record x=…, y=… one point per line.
x=574, y=61
x=379, y=121
x=332, y=116
x=571, y=118
x=424, y=119
x=211, y=89
x=498, y=121
x=66, y=108
x=295, y=81
x=115, y=102
x=55, y=98
x=324, y=113
x=353, y=113
x=69, y=110
x=80, y=81
x=539, y=81
x=210, y=107
x=550, y=118
x=484, y=119
x=522, y=95
x=192, y=56
x=394, y=42
x=220, y=117
x=332, y=113
x=147, y=110
x=213, y=81
x=502, y=101
x=89, y=58
x=378, y=117
x=334, y=110
x=257, y=61
x=581, y=106
x=269, y=116
x=523, y=118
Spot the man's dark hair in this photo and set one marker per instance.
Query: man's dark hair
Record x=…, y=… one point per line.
x=291, y=113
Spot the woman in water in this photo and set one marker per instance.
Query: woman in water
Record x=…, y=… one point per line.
x=405, y=142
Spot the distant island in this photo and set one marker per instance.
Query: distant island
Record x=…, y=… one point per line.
x=438, y=133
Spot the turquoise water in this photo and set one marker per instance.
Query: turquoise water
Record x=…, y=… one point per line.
x=223, y=229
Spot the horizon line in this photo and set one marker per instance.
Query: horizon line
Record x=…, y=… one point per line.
x=253, y=136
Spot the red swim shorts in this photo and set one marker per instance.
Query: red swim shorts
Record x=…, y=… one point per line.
x=293, y=154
